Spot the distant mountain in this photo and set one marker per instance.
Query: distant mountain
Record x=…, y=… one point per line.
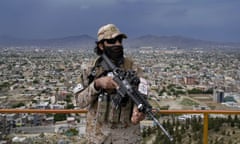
x=80, y=42
x=177, y=42
x=71, y=42
x=86, y=42
x=8, y=40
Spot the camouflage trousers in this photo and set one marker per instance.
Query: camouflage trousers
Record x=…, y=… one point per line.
x=129, y=135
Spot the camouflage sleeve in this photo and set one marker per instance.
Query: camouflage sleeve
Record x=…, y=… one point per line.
x=87, y=96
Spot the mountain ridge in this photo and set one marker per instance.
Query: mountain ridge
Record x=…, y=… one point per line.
x=85, y=41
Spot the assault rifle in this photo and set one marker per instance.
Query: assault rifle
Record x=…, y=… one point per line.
x=126, y=82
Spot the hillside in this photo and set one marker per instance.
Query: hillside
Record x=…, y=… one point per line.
x=86, y=41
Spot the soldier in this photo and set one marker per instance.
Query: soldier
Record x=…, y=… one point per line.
x=105, y=123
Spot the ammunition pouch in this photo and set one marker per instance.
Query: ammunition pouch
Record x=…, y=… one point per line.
x=102, y=108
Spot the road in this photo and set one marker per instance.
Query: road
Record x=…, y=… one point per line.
x=45, y=129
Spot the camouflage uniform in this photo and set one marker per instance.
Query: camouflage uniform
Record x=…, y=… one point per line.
x=105, y=124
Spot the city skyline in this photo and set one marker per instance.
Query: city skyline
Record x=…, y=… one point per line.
x=214, y=20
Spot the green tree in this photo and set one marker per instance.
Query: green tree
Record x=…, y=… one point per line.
x=70, y=106
x=68, y=98
x=35, y=81
x=18, y=105
x=72, y=132
x=60, y=117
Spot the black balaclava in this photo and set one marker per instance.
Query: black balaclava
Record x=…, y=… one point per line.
x=115, y=53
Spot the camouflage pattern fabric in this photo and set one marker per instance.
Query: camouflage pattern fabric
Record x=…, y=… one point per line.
x=115, y=126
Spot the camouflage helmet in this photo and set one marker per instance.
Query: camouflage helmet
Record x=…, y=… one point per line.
x=109, y=31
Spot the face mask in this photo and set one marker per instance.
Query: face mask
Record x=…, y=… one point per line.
x=115, y=53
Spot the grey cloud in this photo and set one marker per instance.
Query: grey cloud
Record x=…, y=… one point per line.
x=57, y=18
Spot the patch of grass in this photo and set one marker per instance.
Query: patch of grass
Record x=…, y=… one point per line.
x=188, y=102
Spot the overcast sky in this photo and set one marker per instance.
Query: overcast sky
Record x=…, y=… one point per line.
x=216, y=20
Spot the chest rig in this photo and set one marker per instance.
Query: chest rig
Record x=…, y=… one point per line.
x=106, y=111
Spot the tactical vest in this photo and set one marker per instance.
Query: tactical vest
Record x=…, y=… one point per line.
x=106, y=111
